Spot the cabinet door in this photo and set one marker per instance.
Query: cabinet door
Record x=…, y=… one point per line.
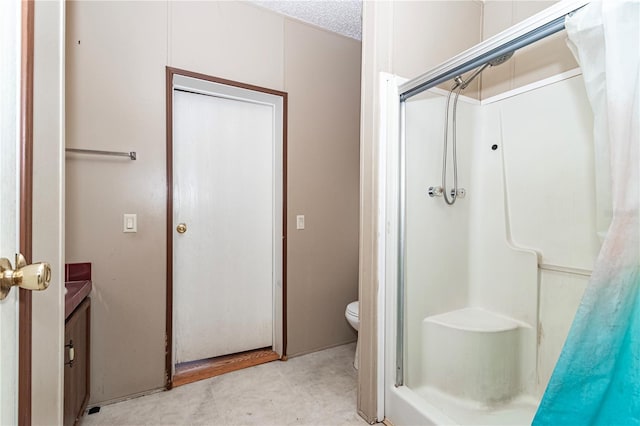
x=69, y=417
x=76, y=373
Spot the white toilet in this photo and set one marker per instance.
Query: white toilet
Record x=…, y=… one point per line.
x=351, y=313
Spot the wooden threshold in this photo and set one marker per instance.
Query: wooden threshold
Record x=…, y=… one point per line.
x=192, y=371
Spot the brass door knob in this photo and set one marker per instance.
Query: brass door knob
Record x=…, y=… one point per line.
x=30, y=277
x=181, y=228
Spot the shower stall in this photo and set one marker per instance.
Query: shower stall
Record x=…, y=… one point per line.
x=492, y=232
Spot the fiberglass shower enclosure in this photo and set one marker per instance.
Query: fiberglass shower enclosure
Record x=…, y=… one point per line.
x=486, y=287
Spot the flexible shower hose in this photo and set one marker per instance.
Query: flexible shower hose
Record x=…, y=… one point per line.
x=454, y=195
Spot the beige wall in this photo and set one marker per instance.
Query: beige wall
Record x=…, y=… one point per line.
x=117, y=52
x=427, y=33
x=543, y=59
x=324, y=113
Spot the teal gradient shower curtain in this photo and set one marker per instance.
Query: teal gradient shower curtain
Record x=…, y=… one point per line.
x=597, y=378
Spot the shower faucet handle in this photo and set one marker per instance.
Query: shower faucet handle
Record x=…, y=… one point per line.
x=435, y=191
x=460, y=194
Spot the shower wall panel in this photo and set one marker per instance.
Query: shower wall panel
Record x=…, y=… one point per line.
x=549, y=169
x=437, y=235
x=560, y=295
x=502, y=273
x=548, y=148
x=503, y=278
x=547, y=205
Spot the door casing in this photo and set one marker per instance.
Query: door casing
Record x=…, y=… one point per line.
x=26, y=208
x=170, y=73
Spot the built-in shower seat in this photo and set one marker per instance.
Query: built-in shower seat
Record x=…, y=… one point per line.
x=473, y=354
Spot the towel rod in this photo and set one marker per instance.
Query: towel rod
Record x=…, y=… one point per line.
x=132, y=155
x=565, y=269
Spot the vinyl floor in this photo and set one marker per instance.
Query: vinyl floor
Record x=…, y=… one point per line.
x=314, y=389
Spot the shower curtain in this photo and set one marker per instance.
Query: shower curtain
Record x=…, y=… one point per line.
x=597, y=377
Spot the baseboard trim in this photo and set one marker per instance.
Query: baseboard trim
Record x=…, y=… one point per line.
x=321, y=348
x=124, y=398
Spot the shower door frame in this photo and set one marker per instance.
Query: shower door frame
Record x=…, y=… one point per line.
x=393, y=208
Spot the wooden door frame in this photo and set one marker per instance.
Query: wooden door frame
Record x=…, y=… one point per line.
x=26, y=208
x=170, y=72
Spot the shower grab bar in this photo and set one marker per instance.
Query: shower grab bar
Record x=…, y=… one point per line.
x=565, y=269
x=132, y=154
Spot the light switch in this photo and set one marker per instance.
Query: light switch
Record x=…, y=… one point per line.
x=300, y=221
x=130, y=222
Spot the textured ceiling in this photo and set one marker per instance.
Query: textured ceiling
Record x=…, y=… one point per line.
x=340, y=16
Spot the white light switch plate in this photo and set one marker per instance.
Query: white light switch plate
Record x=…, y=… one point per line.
x=130, y=223
x=300, y=221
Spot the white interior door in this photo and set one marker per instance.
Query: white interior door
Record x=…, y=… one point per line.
x=9, y=102
x=224, y=194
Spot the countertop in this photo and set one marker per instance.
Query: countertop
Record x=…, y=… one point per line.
x=76, y=292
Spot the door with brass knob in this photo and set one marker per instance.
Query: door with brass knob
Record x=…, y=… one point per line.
x=29, y=277
x=227, y=194
x=23, y=197
x=9, y=213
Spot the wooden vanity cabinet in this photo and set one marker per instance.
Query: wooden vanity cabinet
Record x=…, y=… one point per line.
x=76, y=370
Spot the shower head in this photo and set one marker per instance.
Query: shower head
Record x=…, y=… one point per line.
x=460, y=82
x=501, y=59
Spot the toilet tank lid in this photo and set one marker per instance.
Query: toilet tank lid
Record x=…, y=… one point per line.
x=352, y=308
